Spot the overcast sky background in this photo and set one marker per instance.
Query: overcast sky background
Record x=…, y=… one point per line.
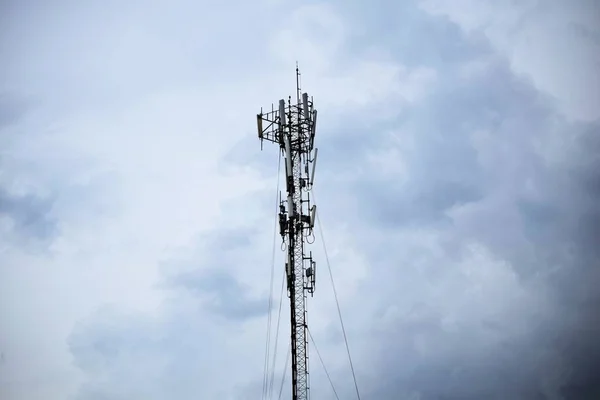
x=458, y=184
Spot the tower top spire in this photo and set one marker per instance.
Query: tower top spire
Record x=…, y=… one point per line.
x=298, y=89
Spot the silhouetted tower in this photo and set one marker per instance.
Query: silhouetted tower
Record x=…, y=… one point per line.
x=292, y=126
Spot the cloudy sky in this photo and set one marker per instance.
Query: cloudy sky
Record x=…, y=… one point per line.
x=458, y=186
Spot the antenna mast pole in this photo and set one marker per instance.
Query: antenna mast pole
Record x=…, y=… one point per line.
x=292, y=126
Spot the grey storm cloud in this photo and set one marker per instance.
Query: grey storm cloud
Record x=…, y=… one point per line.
x=221, y=292
x=480, y=234
x=180, y=346
x=12, y=109
x=547, y=236
x=29, y=213
x=539, y=217
x=228, y=296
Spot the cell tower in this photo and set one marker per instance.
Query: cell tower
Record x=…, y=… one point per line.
x=292, y=126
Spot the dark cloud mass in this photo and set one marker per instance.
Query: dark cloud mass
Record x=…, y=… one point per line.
x=536, y=210
x=477, y=150
x=228, y=297
x=29, y=215
x=11, y=109
x=473, y=209
x=213, y=280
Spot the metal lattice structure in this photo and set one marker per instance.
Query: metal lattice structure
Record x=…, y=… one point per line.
x=292, y=126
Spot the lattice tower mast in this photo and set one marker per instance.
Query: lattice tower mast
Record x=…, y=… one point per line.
x=292, y=126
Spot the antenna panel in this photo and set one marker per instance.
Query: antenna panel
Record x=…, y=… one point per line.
x=281, y=114
x=259, y=125
x=305, y=104
x=314, y=165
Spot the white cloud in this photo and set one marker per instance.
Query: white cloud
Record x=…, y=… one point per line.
x=135, y=113
x=437, y=188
